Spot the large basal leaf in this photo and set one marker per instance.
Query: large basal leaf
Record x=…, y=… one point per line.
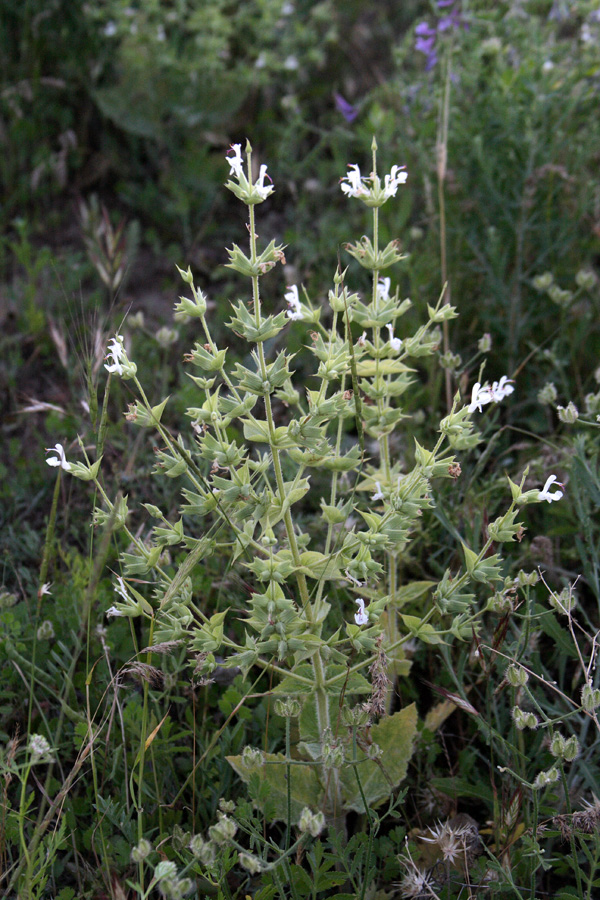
x=306, y=788
x=395, y=736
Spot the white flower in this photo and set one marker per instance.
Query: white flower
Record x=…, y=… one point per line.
x=293, y=301
x=355, y=186
x=479, y=397
x=291, y=63
x=383, y=289
x=263, y=189
x=113, y=611
x=58, y=460
x=547, y=494
x=115, y=352
x=378, y=495
x=354, y=580
x=362, y=339
x=39, y=747
x=396, y=177
x=45, y=588
x=121, y=589
x=110, y=29
x=395, y=343
x=501, y=389
x=362, y=616
x=236, y=167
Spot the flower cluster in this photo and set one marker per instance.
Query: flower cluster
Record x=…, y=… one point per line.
x=119, y=363
x=247, y=190
x=369, y=188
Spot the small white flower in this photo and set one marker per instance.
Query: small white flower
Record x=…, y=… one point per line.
x=291, y=63
x=362, y=616
x=263, y=189
x=115, y=353
x=355, y=186
x=45, y=589
x=378, y=495
x=383, y=289
x=113, y=611
x=293, y=301
x=110, y=29
x=391, y=182
x=501, y=389
x=236, y=166
x=39, y=748
x=362, y=339
x=121, y=589
x=60, y=459
x=547, y=494
x=395, y=343
x=479, y=397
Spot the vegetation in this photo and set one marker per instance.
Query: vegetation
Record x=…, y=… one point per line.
x=304, y=600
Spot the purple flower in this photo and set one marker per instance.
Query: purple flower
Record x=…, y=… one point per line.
x=348, y=111
x=427, y=36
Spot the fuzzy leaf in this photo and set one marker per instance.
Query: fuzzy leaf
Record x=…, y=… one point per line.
x=395, y=736
x=305, y=786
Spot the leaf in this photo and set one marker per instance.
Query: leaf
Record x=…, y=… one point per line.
x=409, y=592
x=305, y=785
x=460, y=787
x=395, y=736
x=370, y=367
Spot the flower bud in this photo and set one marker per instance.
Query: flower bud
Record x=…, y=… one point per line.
x=46, y=631
x=548, y=395
x=585, y=279
x=288, y=708
x=543, y=282
x=568, y=414
x=516, y=676
x=203, y=850
x=524, y=719
x=224, y=831
x=484, y=344
x=252, y=757
x=250, y=863
x=590, y=697
x=165, y=871
x=526, y=579
x=311, y=823
x=565, y=602
x=549, y=777
x=141, y=851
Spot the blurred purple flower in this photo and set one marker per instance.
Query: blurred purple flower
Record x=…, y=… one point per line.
x=427, y=36
x=348, y=111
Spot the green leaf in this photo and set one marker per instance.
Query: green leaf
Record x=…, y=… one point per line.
x=305, y=790
x=410, y=592
x=395, y=736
